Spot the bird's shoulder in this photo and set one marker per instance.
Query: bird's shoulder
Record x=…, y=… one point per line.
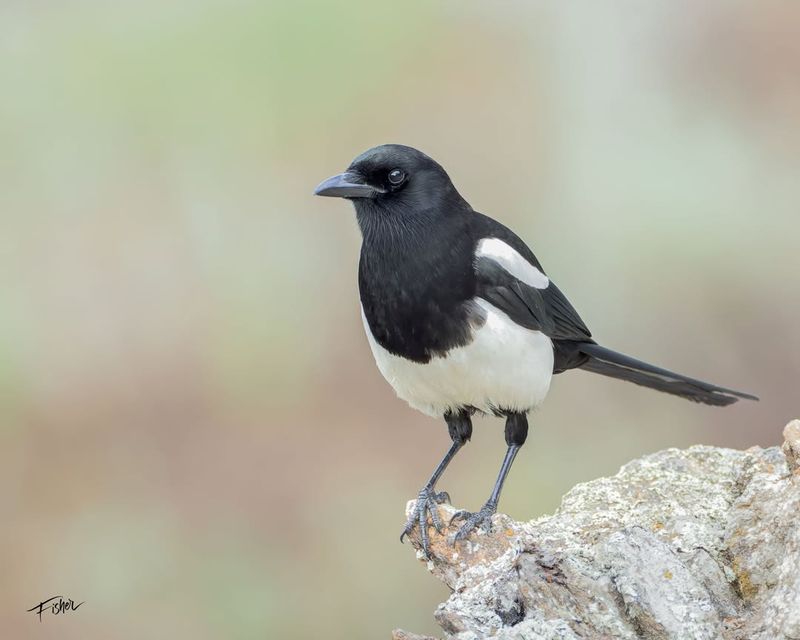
x=510, y=277
x=486, y=228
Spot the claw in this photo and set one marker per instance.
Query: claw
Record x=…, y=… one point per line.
x=423, y=534
x=436, y=519
x=482, y=519
x=426, y=504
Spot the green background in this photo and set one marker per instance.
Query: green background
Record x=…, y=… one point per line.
x=194, y=438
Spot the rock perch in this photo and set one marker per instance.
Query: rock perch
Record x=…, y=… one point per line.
x=694, y=544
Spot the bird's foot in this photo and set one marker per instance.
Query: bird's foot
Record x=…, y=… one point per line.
x=482, y=519
x=427, y=502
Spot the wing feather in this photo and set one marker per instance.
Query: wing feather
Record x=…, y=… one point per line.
x=546, y=310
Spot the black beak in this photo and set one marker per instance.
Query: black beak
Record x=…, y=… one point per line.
x=345, y=185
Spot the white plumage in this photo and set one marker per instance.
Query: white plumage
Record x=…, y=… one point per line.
x=505, y=366
x=512, y=261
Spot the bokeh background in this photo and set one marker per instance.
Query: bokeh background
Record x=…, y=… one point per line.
x=194, y=439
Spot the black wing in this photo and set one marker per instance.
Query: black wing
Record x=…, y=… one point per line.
x=545, y=310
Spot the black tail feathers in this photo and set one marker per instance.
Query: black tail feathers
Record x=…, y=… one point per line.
x=617, y=365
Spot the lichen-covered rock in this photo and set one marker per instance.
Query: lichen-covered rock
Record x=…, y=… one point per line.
x=702, y=543
x=791, y=444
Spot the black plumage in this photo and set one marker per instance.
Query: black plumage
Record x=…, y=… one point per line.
x=443, y=286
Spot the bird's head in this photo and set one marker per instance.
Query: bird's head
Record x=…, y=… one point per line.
x=396, y=180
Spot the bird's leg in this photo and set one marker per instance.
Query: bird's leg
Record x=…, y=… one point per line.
x=516, y=433
x=459, y=424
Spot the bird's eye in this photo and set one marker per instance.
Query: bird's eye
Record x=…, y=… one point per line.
x=396, y=176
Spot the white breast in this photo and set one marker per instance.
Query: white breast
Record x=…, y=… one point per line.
x=506, y=366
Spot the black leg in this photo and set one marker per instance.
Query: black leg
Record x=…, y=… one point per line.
x=460, y=427
x=516, y=433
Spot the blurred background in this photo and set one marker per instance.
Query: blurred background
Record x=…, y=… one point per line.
x=194, y=439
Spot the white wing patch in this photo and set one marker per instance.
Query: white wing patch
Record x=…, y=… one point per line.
x=512, y=261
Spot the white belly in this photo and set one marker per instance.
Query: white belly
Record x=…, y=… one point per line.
x=504, y=367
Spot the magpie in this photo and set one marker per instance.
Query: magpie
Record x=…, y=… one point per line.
x=462, y=318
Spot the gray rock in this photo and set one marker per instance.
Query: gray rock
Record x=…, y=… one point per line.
x=702, y=543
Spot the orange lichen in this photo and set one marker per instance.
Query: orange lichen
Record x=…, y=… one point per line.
x=746, y=587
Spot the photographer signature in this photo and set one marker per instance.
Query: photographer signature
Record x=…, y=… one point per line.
x=56, y=605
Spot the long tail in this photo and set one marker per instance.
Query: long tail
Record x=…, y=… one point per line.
x=617, y=365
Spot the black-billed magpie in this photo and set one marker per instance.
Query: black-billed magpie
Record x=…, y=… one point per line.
x=461, y=317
